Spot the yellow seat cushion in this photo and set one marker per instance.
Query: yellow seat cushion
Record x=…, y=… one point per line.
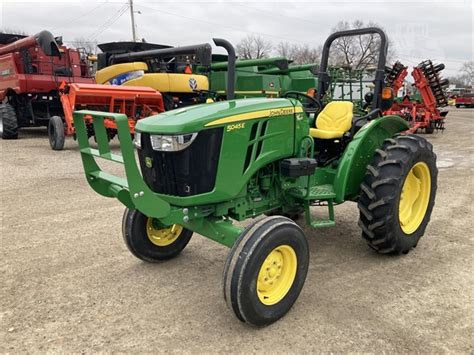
x=323, y=134
x=333, y=121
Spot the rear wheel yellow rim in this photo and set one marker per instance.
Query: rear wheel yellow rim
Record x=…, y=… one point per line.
x=162, y=236
x=276, y=275
x=414, y=198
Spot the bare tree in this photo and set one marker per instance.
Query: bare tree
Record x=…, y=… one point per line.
x=253, y=47
x=464, y=79
x=89, y=46
x=466, y=71
x=357, y=52
x=457, y=81
x=262, y=47
x=285, y=49
x=299, y=54
x=307, y=55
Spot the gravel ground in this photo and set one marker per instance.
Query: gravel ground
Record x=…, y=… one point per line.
x=70, y=285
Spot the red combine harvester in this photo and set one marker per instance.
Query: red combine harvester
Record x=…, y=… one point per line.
x=31, y=70
x=423, y=113
x=134, y=101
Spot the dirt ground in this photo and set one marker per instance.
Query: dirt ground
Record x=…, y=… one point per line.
x=70, y=285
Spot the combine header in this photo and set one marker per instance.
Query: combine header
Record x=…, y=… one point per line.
x=264, y=77
x=423, y=112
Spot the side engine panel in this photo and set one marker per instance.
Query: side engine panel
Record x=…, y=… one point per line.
x=249, y=146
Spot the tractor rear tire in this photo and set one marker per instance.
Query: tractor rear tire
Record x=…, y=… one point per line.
x=8, y=122
x=404, y=169
x=266, y=270
x=151, y=243
x=56, y=133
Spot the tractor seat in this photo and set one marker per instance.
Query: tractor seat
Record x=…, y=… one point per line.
x=333, y=121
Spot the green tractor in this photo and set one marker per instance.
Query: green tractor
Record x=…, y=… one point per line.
x=202, y=168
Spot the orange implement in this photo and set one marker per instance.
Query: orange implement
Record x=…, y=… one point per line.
x=136, y=102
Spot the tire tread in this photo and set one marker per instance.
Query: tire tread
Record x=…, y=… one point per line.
x=10, y=122
x=377, y=200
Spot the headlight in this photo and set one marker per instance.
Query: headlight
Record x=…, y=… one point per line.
x=172, y=143
x=137, y=140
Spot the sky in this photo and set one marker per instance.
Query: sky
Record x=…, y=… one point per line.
x=438, y=30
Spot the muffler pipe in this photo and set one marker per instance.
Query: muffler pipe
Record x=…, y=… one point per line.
x=230, y=91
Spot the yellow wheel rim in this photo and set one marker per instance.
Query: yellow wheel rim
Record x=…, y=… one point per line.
x=164, y=236
x=276, y=275
x=415, y=198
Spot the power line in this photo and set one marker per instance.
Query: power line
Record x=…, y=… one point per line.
x=109, y=22
x=114, y=18
x=72, y=20
x=220, y=25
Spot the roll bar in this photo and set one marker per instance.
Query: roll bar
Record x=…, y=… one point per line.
x=324, y=77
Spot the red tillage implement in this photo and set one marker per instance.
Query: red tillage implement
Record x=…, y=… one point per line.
x=423, y=112
x=134, y=101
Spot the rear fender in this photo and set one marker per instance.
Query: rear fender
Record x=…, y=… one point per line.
x=359, y=154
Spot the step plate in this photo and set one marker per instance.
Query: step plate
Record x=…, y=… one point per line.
x=321, y=192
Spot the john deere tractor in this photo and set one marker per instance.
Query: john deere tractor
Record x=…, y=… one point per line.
x=202, y=168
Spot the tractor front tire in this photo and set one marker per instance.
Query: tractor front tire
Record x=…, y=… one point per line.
x=398, y=194
x=56, y=133
x=8, y=122
x=151, y=242
x=266, y=270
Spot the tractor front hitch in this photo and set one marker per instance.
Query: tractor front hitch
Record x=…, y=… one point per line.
x=133, y=191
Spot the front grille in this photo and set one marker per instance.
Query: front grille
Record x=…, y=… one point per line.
x=187, y=172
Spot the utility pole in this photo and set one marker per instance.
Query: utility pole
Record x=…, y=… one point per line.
x=132, y=15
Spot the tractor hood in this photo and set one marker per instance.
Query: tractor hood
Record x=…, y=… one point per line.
x=196, y=118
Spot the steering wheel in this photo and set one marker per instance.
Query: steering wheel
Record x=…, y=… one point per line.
x=310, y=104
